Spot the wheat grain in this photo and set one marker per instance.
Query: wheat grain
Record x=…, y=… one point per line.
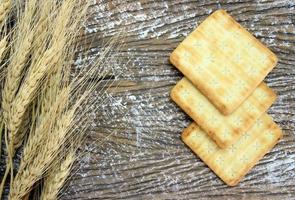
x=57, y=176
x=56, y=83
x=4, y=10
x=21, y=46
x=47, y=10
x=56, y=124
x=39, y=137
x=17, y=97
x=22, y=43
x=41, y=155
x=46, y=150
x=63, y=19
x=32, y=172
x=14, y=75
x=39, y=71
x=27, y=92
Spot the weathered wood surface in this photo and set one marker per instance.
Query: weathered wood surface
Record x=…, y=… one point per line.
x=134, y=149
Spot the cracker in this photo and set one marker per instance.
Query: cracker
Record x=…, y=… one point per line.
x=223, y=60
x=223, y=129
x=233, y=163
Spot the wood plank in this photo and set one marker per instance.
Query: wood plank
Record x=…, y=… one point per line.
x=133, y=150
x=142, y=155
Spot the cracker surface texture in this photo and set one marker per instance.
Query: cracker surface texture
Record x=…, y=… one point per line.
x=223, y=129
x=233, y=163
x=223, y=60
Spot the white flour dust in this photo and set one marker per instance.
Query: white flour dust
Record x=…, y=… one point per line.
x=141, y=112
x=145, y=26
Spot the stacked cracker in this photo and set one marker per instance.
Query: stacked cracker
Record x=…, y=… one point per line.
x=224, y=94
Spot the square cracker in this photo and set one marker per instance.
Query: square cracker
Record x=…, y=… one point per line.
x=233, y=163
x=223, y=129
x=223, y=60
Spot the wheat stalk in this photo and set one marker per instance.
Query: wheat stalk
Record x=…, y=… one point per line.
x=3, y=49
x=48, y=10
x=37, y=72
x=54, y=134
x=59, y=76
x=14, y=75
x=19, y=57
x=25, y=179
x=55, y=127
x=3, y=44
x=27, y=93
x=22, y=45
x=57, y=177
x=39, y=137
x=28, y=90
x=43, y=147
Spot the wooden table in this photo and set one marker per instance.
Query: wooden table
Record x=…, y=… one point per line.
x=134, y=150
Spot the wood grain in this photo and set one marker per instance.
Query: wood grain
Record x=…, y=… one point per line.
x=134, y=150
x=144, y=156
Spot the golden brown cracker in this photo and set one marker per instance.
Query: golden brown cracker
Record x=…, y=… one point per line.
x=223, y=129
x=233, y=163
x=223, y=60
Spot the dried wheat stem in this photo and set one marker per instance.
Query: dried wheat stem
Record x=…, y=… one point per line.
x=7, y=170
x=57, y=176
x=3, y=46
